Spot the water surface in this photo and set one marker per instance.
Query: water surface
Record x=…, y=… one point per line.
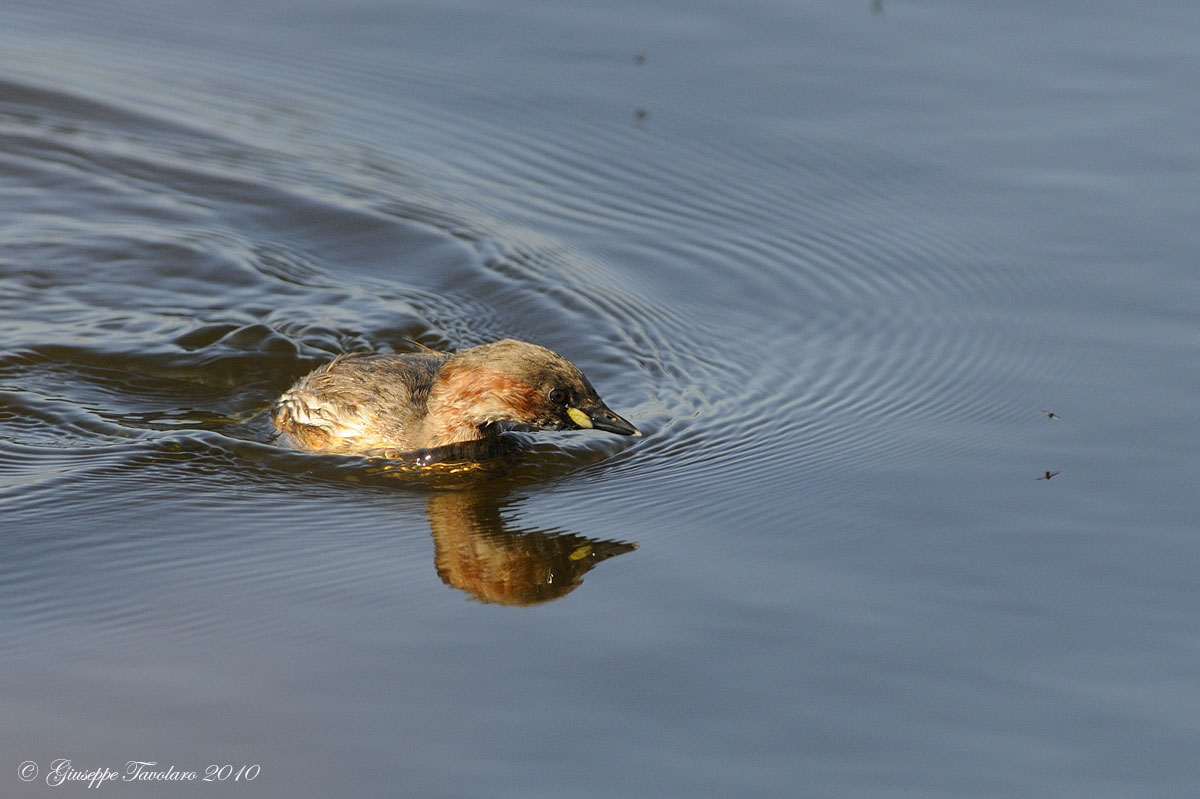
x=833, y=261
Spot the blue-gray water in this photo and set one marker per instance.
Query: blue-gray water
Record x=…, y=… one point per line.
x=833, y=258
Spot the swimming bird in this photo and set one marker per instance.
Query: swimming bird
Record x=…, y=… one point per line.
x=1047, y=475
x=360, y=402
x=1051, y=415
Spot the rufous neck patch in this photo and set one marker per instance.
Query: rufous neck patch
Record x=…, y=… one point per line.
x=478, y=395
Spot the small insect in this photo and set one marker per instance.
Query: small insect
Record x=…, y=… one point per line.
x=1051, y=415
x=1048, y=475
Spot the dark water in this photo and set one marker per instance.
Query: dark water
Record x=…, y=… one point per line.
x=832, y=258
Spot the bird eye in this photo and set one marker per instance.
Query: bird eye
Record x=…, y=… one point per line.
x=558, y=395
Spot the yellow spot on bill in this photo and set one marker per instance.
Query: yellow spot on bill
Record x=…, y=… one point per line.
x=579, y=417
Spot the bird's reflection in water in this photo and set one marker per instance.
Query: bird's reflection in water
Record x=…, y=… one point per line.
x=477, y=551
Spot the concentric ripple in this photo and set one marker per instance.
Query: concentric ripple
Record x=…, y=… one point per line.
x=756, y=316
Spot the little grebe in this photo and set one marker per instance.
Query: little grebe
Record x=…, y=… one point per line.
x=361, y=402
